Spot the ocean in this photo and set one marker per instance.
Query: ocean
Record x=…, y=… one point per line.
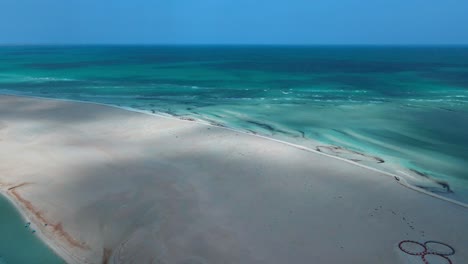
x=400, y=109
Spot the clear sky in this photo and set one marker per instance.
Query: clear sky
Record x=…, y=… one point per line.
x=234, y=21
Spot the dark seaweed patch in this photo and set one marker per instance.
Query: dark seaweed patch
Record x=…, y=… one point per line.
x=262, y=125
x=336, y=149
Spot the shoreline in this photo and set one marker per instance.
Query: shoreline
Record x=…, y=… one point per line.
x=61, y=252
x=399, y=178
x=88, y=184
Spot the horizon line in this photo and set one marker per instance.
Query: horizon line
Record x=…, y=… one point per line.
x=241, y=44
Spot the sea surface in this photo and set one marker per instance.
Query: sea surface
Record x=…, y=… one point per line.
x=400, y=109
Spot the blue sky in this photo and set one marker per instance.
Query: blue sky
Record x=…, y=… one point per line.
x=234, y=21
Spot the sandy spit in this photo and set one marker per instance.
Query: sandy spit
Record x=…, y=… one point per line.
x=114, y=186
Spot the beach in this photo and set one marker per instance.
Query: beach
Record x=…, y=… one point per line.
x=116, y=186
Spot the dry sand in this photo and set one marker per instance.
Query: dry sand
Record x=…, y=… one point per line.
x=116, y=186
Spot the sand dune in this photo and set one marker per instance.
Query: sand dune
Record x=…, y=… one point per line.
x=114, y=186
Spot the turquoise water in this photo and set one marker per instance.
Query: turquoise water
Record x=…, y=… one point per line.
x=18, y=244
x=405, y=105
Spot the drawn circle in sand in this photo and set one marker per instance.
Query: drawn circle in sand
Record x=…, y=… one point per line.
x=412, y=247
x=431, y=252
x=430, y=258
x=439, y=248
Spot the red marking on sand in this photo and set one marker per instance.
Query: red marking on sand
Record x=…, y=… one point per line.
x=106, y=253
x=19, y=185
x=58, y=228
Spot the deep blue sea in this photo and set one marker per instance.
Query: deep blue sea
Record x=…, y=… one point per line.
x=399, y=109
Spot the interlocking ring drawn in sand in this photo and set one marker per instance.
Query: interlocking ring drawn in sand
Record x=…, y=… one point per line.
x=429, y=252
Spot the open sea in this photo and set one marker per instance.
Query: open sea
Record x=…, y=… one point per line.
x=400, y=109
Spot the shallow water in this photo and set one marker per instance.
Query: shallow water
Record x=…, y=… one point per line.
x=18, y=243
x=405, y=105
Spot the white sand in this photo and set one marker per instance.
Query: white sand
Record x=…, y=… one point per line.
x=116, y=186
